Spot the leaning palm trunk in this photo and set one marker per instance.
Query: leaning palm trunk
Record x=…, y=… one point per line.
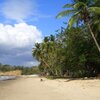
x=96, y=43
x=47, y=65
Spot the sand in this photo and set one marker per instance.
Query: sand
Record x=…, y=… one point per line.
x=31, y=88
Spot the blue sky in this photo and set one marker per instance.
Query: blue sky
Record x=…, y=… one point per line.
x=22, y=24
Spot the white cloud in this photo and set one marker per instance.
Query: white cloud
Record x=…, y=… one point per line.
x=19, y=35
x=19, y=9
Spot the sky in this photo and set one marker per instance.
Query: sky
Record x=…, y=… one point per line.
x=24, y=23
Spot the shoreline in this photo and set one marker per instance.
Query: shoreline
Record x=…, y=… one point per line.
x=5, y=77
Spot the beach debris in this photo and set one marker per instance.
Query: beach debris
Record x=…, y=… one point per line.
x=41, y=79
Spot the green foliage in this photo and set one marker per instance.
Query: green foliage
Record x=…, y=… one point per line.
x=65, y=13
x=72, y=51
x=29, y=71
x=95, y=9
x=25, y=70
x=82, y=11
x=71, y=54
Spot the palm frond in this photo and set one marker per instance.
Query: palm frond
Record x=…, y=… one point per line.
x=79, y=4
x=95, y=9
x=65, y=13
x=96, y=21
x=68, y=5
x=72, y=21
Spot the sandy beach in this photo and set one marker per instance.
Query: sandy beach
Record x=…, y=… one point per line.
x=31, y=88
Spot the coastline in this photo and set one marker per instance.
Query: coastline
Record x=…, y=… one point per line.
x=10, y=77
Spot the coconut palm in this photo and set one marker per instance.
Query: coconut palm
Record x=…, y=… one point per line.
x=43, y=53
x=39, y=53
x=81, y=12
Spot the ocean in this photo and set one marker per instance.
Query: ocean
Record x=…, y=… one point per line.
x=2, y=78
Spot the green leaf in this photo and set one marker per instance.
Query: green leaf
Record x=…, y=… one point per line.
x=95, y=9
x=95, y=0
x=99, y=27
x=79, y=4
x=72, y=21
x=68, y=5
x=65, y=13
x=96, y=21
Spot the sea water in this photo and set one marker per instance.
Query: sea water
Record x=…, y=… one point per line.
x=7, y=77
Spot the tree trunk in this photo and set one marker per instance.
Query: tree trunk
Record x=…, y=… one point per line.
x=47, y=65
x=96, y=43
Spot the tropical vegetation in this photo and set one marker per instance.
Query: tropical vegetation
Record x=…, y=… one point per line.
x=74, y=51
x=24, y=70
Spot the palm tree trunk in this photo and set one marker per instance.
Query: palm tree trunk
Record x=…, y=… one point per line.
x=96, y=43
x=47, y=65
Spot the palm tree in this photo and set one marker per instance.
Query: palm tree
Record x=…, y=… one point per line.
x=81, y=12
x=39, y=53
x=42, y=53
